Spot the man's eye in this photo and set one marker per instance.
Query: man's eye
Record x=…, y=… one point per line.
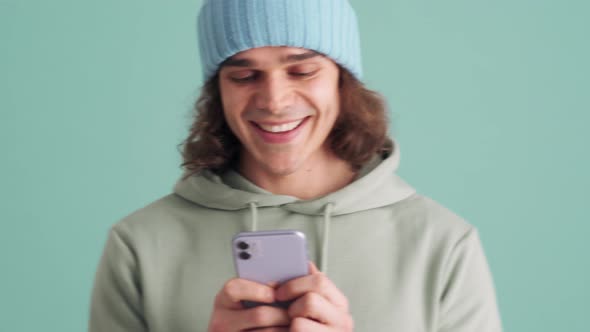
x=243, y=79
x=302, y=74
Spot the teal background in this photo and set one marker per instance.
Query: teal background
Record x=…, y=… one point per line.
x=489, y=102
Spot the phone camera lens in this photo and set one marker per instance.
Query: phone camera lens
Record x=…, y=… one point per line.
x=244, y=255
x=243, y=245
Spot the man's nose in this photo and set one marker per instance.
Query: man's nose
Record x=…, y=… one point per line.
x=275, y=93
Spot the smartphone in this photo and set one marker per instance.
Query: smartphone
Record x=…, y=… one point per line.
x=270, y=257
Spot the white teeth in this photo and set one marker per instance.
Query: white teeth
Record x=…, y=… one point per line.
x=280, y=128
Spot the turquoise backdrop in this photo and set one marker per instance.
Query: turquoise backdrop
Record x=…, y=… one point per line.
x=489, y=101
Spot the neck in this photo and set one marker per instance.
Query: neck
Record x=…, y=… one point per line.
x=314, y=179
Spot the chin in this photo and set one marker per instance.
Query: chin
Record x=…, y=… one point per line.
x=281, y=168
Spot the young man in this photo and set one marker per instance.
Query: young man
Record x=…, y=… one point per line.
x=286, y=137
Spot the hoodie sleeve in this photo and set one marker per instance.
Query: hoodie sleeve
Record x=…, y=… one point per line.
x=468, y=300
x=116, y=303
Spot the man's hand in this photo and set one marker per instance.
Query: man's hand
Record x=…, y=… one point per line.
x=229, y=315
x=319, y=304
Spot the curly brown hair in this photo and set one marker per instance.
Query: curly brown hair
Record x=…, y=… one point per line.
x=360, y=131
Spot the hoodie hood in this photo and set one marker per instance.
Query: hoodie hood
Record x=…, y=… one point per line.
x=377, y=185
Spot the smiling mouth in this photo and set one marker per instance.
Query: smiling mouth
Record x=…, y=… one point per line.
x=279, y=128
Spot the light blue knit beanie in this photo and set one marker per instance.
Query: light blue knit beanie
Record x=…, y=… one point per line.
x=226, y=27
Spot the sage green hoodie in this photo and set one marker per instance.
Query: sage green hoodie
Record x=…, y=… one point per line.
x=404, y=262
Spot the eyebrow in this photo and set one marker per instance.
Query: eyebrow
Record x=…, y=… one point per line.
x=284, y=59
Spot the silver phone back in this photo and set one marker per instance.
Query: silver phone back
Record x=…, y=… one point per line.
x=270, y=256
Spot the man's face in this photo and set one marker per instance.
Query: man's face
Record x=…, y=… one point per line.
x=281, y=103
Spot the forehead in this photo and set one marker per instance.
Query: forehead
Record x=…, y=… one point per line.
x=271, y=56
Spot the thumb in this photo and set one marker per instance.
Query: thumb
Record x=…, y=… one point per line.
x=312, y=268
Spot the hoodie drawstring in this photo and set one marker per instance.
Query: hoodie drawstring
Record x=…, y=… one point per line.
x=326, y=238
x=254, y=221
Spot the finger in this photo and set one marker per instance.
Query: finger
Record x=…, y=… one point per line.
x=316, y=307
x=259, y=318
x=313, y=269
x=317, y=283
x=224, y=320
x=236, y=290
x=301, y=324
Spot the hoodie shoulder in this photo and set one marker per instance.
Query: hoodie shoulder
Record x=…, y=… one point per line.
x=156, y=216
x=424, y=213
